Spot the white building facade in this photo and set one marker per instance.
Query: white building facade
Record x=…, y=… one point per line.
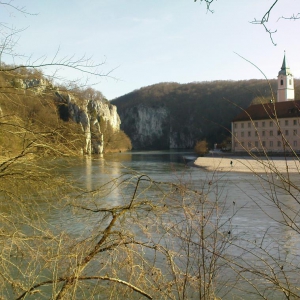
x=271, y=127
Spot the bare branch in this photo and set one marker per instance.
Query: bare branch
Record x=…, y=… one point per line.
x=17, y=8
x=83, y=278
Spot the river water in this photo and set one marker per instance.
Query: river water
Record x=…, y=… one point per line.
x=254, y=217
x=255, y=214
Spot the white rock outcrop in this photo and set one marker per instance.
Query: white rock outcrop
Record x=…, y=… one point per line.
x=89, y=113
x=154, y=127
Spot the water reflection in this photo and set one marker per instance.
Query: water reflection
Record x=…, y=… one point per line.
x=250, y=197
x=251, y=202
x=88, y=170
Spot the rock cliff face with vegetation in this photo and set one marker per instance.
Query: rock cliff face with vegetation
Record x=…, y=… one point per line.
x=172, y=115
x=94, y=113
x=147, y=124
x=78, y=120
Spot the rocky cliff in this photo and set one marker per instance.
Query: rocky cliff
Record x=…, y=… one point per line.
x=155, y=128
x=146, y=124
x=48, y=119
x=89, y=113
x=88, y=108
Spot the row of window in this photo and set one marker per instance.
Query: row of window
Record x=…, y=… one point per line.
x=264, y=123
x=263, y=133
x=263, y=144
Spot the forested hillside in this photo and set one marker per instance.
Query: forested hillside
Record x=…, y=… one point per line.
x=172, y=115
x=40, y=118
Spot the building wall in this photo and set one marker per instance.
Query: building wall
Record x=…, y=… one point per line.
x=266, y=134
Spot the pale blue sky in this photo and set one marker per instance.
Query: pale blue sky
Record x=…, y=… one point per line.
x=154, y=41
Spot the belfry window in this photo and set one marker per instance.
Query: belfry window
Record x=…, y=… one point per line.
x=281, y=82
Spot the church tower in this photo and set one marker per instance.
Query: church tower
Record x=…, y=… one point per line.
x=285, y=90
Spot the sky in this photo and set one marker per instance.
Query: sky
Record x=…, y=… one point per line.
x=139, y=43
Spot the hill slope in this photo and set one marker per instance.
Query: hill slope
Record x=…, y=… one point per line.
x=39, y=118
x=172, y=115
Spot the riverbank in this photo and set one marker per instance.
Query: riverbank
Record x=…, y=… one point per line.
x=248, y=165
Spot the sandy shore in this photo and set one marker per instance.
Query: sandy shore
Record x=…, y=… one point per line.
x=247, y=165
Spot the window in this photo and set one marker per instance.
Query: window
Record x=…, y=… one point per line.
x=271, y=123
x=249, y=124
x=235, y=134
x=290, y=82
x=263, y=143
x=278, y=132
x=295, y=122
x=256, y=124
x=249, y=133
x=271, y=132
x=263, y=124
x=286, y=122
x=263, y=133
x=256, y=134
x=243, y=144
x=242, y=134
x=295, y=132
x=281, y=82
x=278, y=143
x=295, y=143
x=242, y=125
x=235, y=125
x=286, y=132
x=271, y=143
x=249, y=144
x=256, y=144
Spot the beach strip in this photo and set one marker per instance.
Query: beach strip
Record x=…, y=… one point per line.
x=248, y=165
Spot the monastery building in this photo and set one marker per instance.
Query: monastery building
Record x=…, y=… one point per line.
x=271, y=127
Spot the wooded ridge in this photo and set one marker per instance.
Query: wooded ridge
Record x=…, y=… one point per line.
x=173, y=115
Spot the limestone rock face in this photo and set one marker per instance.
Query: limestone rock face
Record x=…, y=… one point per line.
x=181, y=140
x=155, y=128
x=89, y=113
x=105, y=110
x=36, y=85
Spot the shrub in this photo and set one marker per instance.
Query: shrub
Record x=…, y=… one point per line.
x=201, y=147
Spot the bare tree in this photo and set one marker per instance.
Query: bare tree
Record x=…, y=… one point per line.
x=264, y=20
x=153, y=240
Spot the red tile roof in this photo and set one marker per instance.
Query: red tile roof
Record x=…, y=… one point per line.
x=287, y=109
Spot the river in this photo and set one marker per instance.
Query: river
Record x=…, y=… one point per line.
x=252, y=213
x=255, y=219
